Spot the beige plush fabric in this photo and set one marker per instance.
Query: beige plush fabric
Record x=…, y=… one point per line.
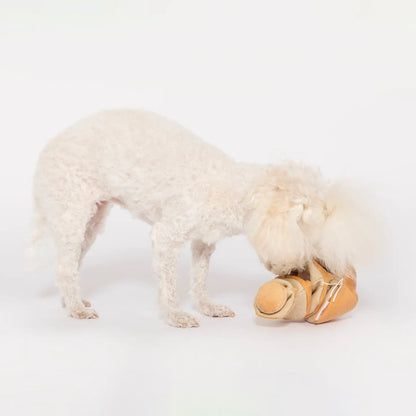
x=319, y=279
x=271, y=297
x=264, y=297
x=303, y=298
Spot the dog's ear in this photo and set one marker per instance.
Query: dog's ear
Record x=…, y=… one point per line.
x=349, y=233
x=273, y=230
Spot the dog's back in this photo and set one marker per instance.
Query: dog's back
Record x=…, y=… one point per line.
x=145, y=162
x=121, y=150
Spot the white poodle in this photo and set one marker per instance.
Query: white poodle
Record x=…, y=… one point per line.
x=187, y=190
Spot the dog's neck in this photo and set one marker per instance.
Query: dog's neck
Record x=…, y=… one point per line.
x=249, y=177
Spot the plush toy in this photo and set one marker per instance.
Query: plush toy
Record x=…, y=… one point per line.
x=313, y=294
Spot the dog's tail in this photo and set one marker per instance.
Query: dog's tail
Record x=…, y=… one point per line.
x=36, y=244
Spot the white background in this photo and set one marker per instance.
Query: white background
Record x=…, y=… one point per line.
x=331, y=83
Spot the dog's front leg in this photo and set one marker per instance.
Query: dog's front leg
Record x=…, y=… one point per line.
x=166, y=250
x=201, y=254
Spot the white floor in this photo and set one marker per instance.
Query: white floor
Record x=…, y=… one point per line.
x=129, y=362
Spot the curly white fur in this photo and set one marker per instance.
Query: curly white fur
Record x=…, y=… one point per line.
x=187, y=190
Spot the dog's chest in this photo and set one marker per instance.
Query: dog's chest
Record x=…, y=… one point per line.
x=218, y=227
x=211, y=236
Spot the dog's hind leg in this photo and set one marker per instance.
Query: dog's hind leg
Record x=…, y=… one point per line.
x=74, y=232
x=165, y=258
x=93, y=227
x=201, y=254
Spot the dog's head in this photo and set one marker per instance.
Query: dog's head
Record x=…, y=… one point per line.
x=295, y=216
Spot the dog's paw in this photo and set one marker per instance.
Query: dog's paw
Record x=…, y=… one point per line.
x=83, y=313
x=181, y=319
x=87, y=313
x=216, y=311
